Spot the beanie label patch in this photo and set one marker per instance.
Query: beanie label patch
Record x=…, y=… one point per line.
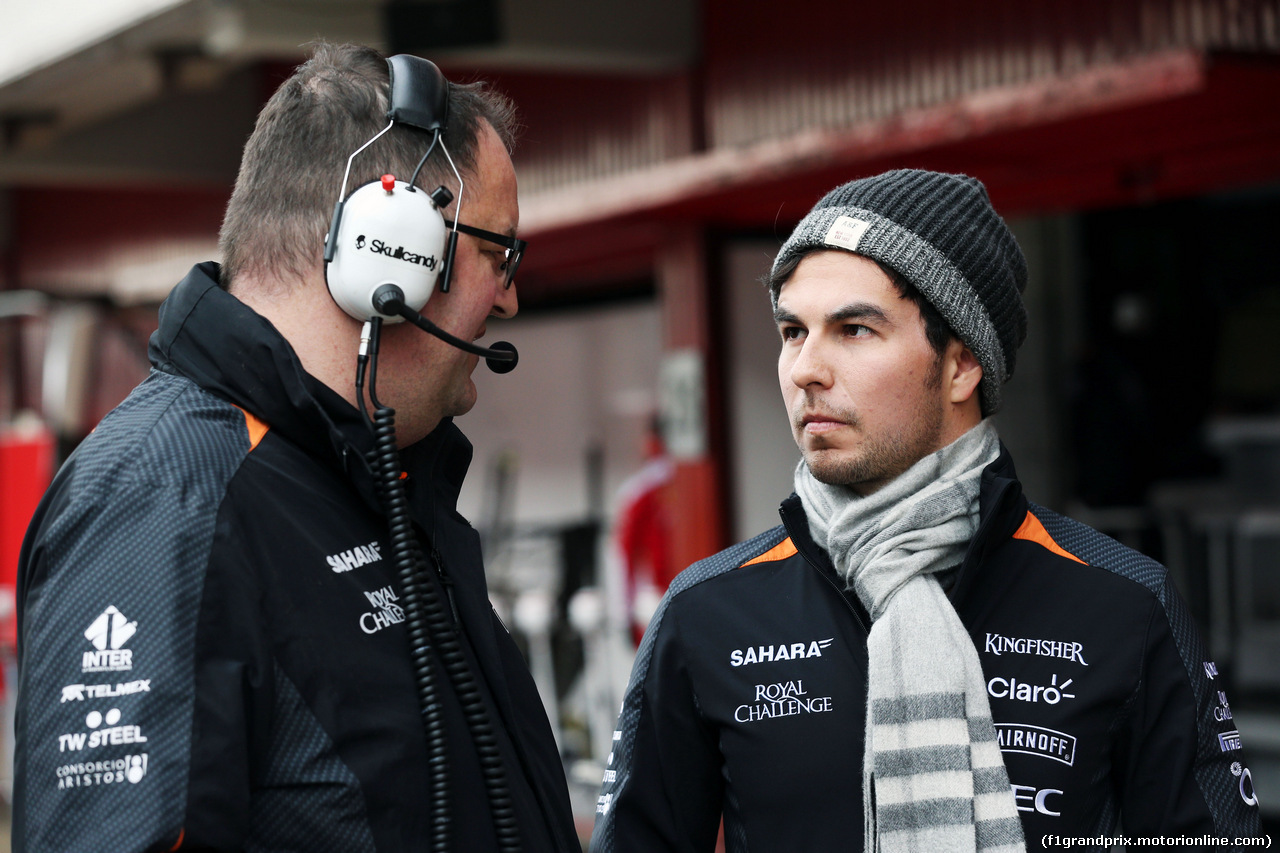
x=846, y=233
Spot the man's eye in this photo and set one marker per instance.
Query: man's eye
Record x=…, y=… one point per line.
x=855, y=330
x=790, y=333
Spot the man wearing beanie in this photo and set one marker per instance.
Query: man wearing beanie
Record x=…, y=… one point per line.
x=919, y=658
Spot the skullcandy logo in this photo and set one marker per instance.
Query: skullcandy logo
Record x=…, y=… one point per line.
x=399, y=253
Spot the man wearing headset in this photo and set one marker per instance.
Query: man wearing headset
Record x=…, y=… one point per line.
x=918, y=658
x=215, y=649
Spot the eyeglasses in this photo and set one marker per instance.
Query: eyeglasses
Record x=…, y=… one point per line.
x=514, y=245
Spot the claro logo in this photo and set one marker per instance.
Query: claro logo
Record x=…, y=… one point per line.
x=399, y=253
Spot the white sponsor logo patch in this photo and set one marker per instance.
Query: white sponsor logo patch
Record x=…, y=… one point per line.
x=354, y=558
x=782, y=699
x=388, y=612
x=80, y=692
x=107, y=634
x=846, y=232
x=782, y=651
x=1036, y=740
x=97, y=736
x=1229, y=741
x=129, y=768
x=1211, y=669
x=998, y=644
x=1012, y=688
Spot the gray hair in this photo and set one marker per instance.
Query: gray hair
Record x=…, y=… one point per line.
x=293, y=163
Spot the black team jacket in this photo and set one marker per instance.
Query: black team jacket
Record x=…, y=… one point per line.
x=748, y=695
x=213, y=652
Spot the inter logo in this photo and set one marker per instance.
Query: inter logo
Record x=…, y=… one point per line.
x=108, y=633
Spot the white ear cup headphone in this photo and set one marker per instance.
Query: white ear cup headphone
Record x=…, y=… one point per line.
x=388, y=233
x=388, y=246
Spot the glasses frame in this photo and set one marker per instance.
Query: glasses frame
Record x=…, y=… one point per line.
x=514, y=245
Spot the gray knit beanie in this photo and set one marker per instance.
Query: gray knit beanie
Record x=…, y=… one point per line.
x=940, y=233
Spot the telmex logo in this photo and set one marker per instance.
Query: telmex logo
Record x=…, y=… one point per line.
x=782, y=651
x=399, y=253
x=78, y=692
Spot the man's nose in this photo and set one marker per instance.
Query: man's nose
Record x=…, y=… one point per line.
x=811, y=366
x=505, y=301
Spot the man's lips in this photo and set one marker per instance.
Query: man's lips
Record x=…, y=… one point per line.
x=819, y=424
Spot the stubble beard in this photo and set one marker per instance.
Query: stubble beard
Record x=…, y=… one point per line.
x=881, y=457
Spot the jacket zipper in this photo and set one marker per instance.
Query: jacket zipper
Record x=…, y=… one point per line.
x=839, y=592
x=857, y=616
x=446, y=582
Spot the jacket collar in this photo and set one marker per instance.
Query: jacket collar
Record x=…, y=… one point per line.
x=209, y=336
x=1001, y=508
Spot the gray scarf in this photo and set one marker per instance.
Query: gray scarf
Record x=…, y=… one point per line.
x=931, y=753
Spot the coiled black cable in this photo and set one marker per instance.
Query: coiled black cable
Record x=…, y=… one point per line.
x=429, y=627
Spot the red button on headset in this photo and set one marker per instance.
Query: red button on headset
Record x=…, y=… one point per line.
x=388, y=182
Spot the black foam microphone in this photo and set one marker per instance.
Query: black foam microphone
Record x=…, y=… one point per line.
x=498, y=365
x=389, y=301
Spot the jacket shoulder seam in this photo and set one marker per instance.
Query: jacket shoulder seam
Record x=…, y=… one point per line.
x=1097, y=550
x=743, y=554
x=1033, y=530
x=784, y=549
x=256, y=427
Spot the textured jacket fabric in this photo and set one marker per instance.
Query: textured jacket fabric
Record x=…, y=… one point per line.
x=213, y=655
x=748, y=695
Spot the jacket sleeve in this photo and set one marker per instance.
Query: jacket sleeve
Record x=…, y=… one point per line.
x=1183, y=770
x=662, y=786
x=112, y=586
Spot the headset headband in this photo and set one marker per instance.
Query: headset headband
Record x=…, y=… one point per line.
x=419, y=93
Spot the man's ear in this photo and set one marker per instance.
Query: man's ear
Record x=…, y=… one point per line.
x=961, y=372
